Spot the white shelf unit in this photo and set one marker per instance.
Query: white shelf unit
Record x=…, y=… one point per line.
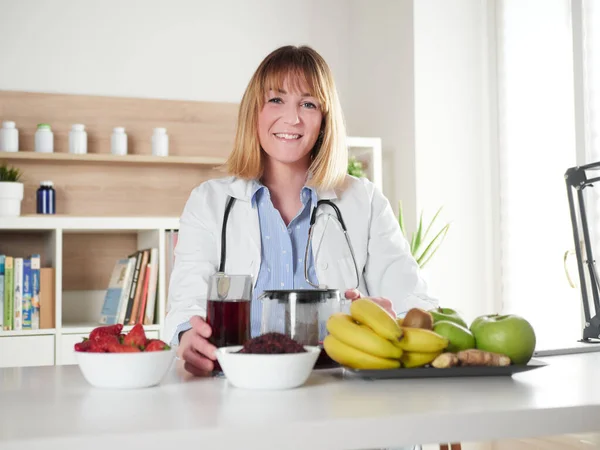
x=368, y=151
x=76, y=312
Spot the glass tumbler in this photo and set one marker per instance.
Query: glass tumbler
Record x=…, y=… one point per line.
x=228, y=309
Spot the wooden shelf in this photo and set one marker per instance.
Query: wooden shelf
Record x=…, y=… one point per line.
x=77, y=224
x=110, y=158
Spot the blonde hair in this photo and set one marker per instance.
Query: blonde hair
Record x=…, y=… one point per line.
x=329, y=155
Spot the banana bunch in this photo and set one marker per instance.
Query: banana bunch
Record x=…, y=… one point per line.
x=369, y=338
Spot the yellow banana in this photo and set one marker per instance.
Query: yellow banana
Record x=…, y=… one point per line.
x=399, y=321
x=421, y=340
x=418, y=359
x=345, y=329
x=375, y=317
x=353, y=358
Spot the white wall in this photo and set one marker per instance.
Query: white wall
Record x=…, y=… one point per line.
x=452, y=108
x=421, y=78
x=382, y=100
x=183, y=49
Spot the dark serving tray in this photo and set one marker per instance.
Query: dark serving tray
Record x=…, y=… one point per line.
x=432, y=372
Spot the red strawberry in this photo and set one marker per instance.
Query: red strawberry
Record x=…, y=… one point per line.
x=125, y=349
x=136, y=336
x=108, y=330
x=90, y=346
x=83, y=346
x=96, y=348
x=155, y=345
x=105, y=342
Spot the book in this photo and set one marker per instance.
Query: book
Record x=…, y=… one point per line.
x=152, y=288
x=2, y=257
x=27, y=294
x=18, y=294
x=47, y=298
x=35, y=290
x=116, y=292
x=126, y=289
x=139, y=288
x=144, y=296
x=134, y=282
x=9, y=306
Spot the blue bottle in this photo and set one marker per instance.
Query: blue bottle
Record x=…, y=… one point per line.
x=46, y=198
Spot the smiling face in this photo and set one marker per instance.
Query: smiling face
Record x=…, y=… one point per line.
x=289, y=124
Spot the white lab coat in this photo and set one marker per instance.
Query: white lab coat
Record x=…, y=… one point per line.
x=386, y=266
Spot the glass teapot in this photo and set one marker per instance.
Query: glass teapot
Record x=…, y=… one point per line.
x=300, y=314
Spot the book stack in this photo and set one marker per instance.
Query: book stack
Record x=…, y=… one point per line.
x=171, y=237
x=132, y=290
x=24, y=287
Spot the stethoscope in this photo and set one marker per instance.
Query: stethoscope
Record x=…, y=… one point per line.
x=313, y=218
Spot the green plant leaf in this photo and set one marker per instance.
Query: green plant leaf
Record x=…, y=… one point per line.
x=355, y=167
x=9, y=173
x=431, y=249
x=419, y=236
x=432, y=222
x=401, y=217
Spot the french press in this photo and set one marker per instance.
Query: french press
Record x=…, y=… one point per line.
x=300, y=314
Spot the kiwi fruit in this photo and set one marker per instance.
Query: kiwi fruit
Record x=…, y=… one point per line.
x=418, y=318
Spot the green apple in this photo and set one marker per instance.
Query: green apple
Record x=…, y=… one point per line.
x=510, y=335
x=460, y=337
x=447, y=314
x=479, y=320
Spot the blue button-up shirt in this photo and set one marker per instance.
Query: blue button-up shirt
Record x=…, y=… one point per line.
x=282, y=253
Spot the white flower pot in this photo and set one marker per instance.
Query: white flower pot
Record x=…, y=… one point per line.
x=11, y=195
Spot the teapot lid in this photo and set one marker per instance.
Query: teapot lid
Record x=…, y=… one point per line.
x=302, y=295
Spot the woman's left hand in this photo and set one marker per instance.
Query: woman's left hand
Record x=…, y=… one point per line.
x=354, y=294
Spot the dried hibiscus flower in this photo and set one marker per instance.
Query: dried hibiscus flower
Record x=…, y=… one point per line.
x=272, y=343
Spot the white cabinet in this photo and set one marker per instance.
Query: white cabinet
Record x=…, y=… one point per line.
x=27, y=350
x=82, y=251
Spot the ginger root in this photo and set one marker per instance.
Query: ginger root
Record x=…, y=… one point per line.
x=445, y=360
x=476, y=357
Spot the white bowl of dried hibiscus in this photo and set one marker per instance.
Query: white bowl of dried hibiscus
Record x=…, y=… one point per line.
x=110, y=358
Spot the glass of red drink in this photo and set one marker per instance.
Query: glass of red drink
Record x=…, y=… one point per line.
x=228, y=310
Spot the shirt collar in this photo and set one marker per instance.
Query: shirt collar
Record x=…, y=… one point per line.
x=246, y=189
x=306, y=193
x=255, y=187
x=309, y=193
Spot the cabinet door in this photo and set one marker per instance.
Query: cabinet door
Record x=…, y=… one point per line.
x=23, y=351
x=68, y=341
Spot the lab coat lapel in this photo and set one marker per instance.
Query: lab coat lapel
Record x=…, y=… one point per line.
x=249, y=224
x=321, y=222
x=253, y=227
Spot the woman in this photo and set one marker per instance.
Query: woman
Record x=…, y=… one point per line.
x=289, y=152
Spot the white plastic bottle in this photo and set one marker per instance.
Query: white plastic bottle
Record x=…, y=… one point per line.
x=78, y=140
x=9, y=137
x=118, y=141
x=160, y=142
x=44, y=139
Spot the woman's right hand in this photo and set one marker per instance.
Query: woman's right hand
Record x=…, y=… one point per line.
x=198, y=354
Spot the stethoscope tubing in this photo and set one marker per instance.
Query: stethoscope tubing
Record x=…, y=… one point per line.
x=313, y=218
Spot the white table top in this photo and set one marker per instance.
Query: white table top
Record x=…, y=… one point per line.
x=54, y=405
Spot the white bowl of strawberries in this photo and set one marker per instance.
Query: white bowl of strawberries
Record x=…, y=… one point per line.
x=109, y=358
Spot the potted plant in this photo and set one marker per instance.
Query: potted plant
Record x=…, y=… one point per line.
x=421, y=248
x=355, y=167
x=11, y=191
